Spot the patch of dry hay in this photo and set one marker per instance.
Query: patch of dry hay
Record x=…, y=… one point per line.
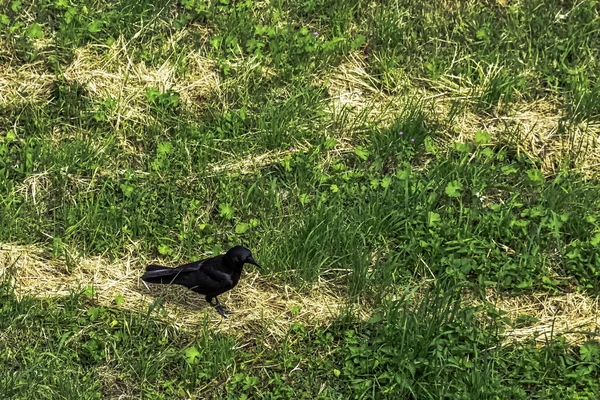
x=261, y=305
x=573, y=316
x=109, y=72
x=112, y=73
x=250, y=164
x=356, y=96
x=540, y=131
x=29, y=83
x=351, y=84
x=258, y=304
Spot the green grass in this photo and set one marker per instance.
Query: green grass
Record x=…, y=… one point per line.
x=377, y=195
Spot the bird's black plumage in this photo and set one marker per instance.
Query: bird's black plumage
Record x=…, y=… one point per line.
x=210, y=277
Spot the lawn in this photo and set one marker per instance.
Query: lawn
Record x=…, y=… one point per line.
x=419, y=180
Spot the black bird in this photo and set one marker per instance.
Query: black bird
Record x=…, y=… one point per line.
x=210, y=277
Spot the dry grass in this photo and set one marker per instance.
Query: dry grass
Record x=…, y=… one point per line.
x=351, y=85
x=353, y=95
x=261, y=304
x=27, y=84
x=250, y=164
x=35, y=189
x=574, y=316
x=112, y=73
x=258, y=303
x=357, y=96
x=539, y=130
x=109, y=72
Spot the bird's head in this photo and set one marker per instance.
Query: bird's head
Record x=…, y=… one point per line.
x=240, y=254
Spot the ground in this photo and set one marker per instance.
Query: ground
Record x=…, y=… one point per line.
x=419, y=181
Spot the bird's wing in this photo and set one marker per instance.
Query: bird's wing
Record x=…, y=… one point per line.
x=209, y=282
x=153, y=271
x=209, y=278
x=221, y=279
x=192, y=267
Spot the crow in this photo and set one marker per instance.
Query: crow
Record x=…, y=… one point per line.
x=210, y=277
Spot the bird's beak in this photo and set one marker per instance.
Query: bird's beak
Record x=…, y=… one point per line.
x=250, y=260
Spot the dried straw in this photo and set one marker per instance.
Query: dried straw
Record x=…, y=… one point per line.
x=258, y=303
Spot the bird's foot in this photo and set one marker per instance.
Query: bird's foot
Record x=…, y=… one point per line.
x=221, y=310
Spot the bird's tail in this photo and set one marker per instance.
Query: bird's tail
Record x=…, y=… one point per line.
x=154, y=267
x=160, y=274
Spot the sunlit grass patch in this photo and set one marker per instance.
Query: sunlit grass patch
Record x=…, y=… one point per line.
x=257, y=304
x=110, y=76
x=572, y=316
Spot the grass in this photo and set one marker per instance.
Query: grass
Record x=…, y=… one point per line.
x=409, y=175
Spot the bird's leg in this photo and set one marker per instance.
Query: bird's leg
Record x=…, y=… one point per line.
x=217, y=305
x=220, y=309
x=209, y=300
